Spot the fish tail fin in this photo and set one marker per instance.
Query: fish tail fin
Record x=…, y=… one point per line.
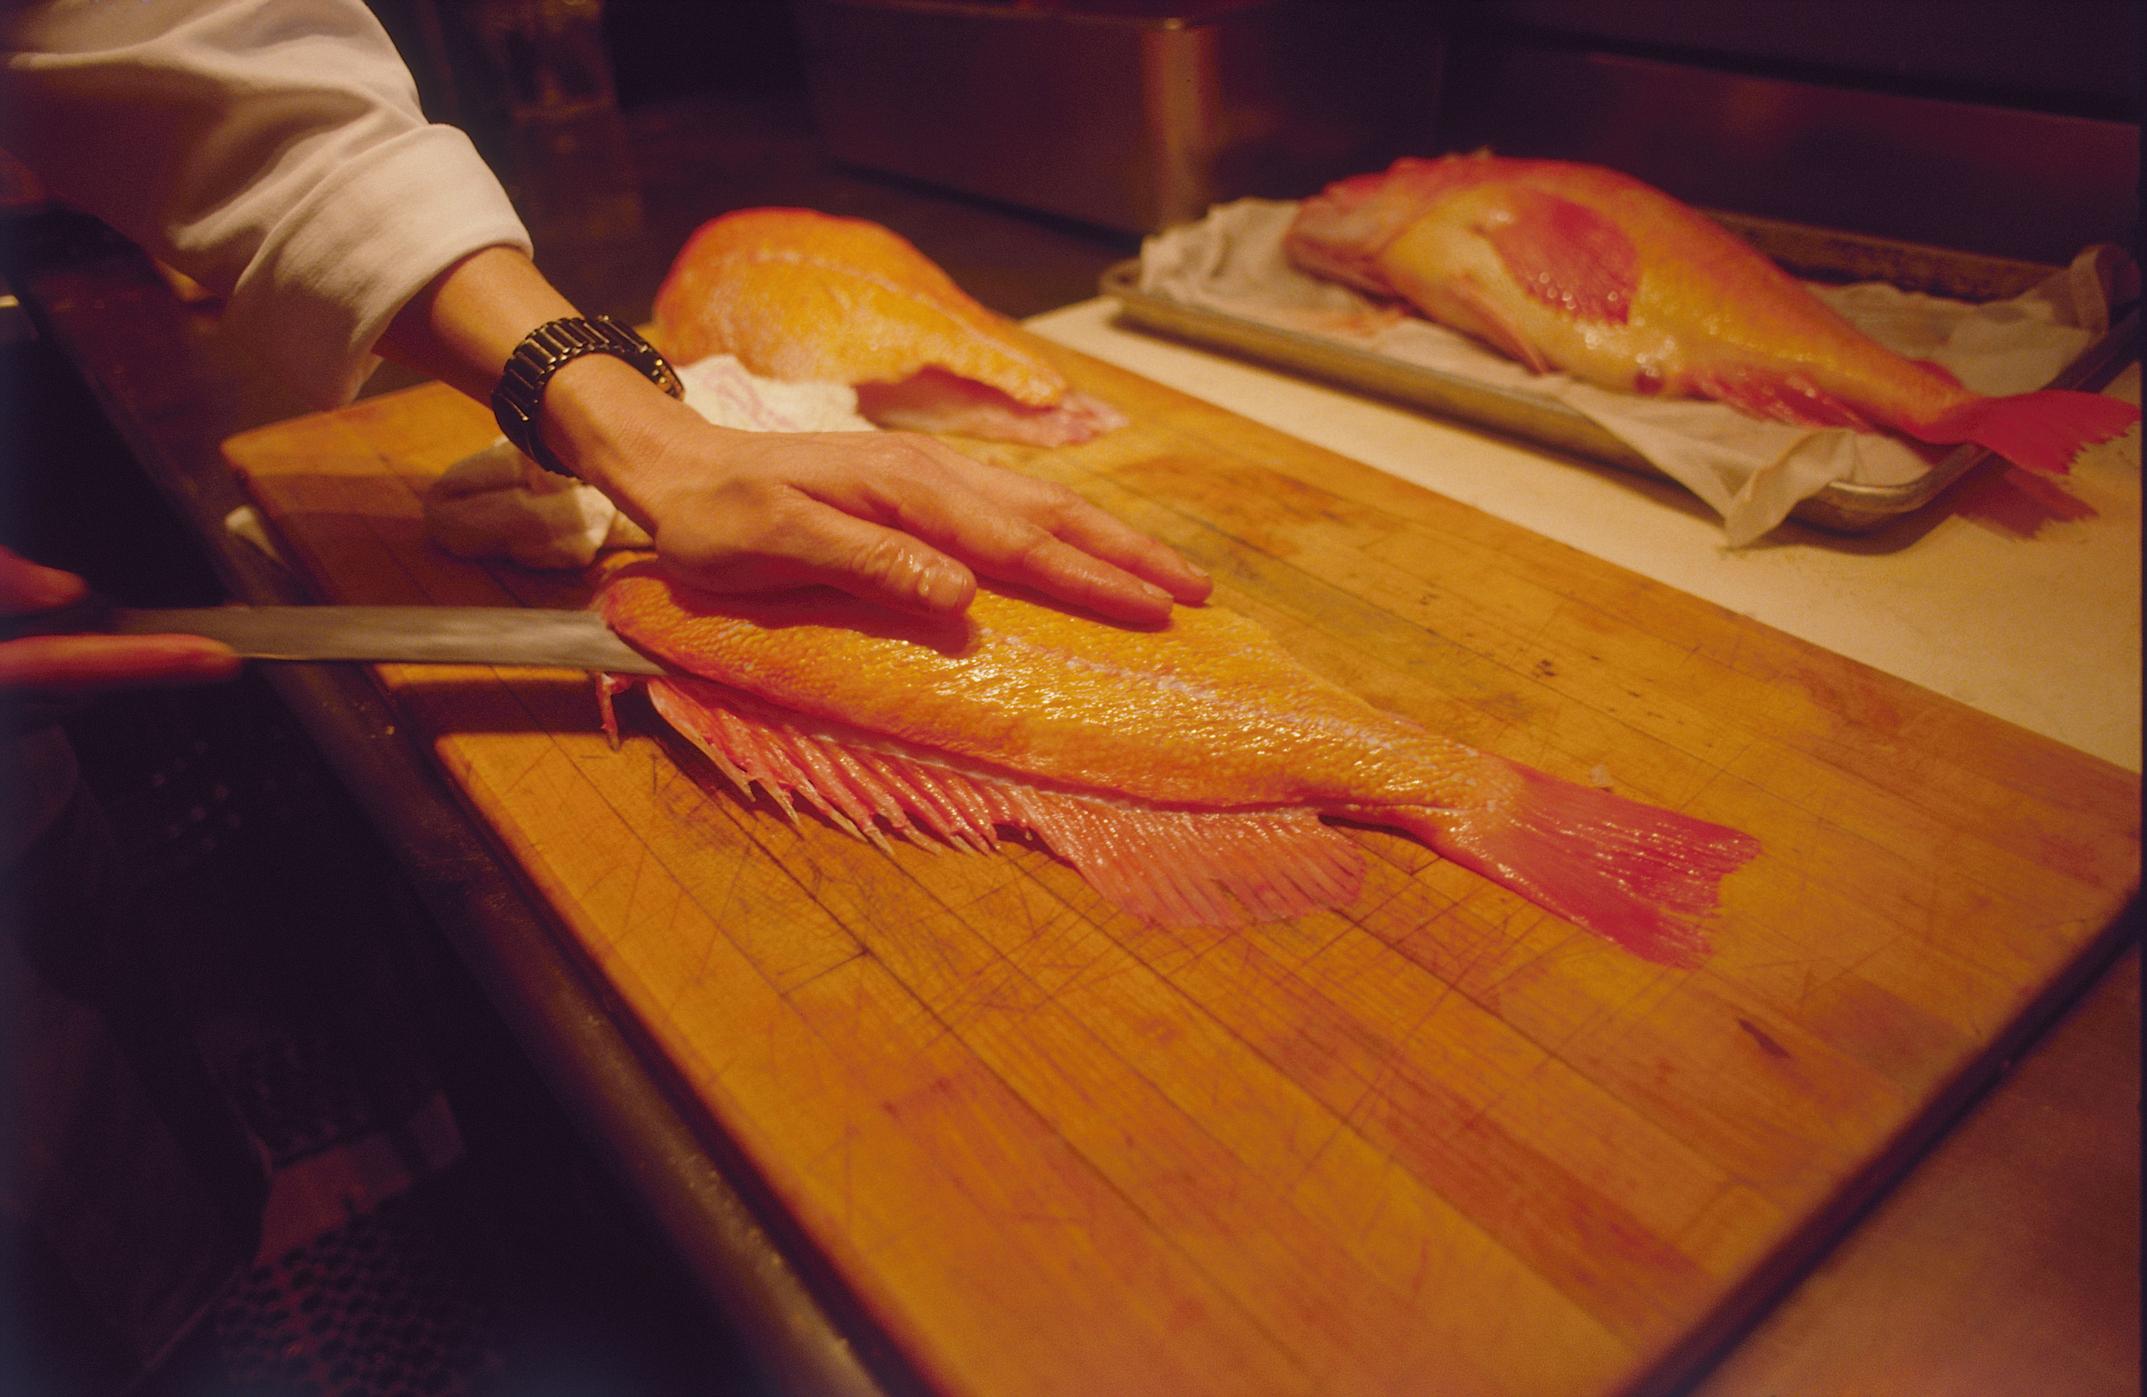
x=2042, y=431
x=1638, y=874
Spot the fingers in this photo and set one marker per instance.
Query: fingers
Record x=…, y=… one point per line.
x=1115, y=541
x=1030, y=532
x=27, y=587
x=1102, y=535
x=73, y=664
x=1007, y=546
x=900, y=520
x=805, y=542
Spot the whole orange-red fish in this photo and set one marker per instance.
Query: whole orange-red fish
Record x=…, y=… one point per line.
x=1182, y=771
x=1579, y=268
x=798, y=295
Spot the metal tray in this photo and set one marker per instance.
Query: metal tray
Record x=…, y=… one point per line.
x=1813, y=253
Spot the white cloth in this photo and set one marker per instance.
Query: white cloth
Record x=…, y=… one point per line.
x=273, y=150
x=497, y=503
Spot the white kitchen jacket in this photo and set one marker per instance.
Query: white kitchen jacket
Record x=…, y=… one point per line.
x=273, y=150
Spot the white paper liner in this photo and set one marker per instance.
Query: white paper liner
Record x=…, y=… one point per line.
x=1751, y=472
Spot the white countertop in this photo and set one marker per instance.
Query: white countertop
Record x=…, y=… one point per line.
x=2043, y=632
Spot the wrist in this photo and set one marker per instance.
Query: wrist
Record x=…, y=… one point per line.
x=607, y=423
x=525, y=383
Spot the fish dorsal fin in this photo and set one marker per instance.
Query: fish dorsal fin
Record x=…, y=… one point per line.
x=1565, y=254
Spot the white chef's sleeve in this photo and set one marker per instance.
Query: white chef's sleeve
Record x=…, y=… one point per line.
x=273, y=150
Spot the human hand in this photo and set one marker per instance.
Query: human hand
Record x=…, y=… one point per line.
x=53, y=665
x=894, y=517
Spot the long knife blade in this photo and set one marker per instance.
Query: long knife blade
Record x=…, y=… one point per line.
x=487, y=635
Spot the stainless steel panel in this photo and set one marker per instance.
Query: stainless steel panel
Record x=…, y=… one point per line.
x=1125, y=115
x=2007, y=181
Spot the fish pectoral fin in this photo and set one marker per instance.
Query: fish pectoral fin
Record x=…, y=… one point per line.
x=1566, y=255
x=1491, y=323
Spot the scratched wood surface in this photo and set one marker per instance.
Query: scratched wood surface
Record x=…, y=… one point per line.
x=1437, y=1141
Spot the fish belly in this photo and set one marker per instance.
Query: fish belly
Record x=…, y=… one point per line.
x=1184, y=772
x=935, y=400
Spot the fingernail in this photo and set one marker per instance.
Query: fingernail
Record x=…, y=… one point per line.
x=218, y=662
x=942, y=588
x=1156, y=594
x=188, y=659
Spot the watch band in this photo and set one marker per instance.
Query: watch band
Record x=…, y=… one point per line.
x=549, y=348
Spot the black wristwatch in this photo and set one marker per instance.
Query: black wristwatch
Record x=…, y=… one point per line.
x=547, y=349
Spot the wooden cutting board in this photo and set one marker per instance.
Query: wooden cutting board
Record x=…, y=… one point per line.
x=1436, y=1142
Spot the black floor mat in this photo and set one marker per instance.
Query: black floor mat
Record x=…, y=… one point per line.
x=330, y=1012
x=276, y=932
x=399, y=1301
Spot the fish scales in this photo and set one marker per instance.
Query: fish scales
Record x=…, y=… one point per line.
x=1184, y=771
x=1211, y=712
x=804, y=296
x=898, y=318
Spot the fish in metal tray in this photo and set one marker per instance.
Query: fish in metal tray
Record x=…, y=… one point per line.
x=1187, y=772
x=804, y=296
x=1582, y=269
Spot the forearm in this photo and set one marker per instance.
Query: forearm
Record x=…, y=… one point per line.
x=461, y=327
